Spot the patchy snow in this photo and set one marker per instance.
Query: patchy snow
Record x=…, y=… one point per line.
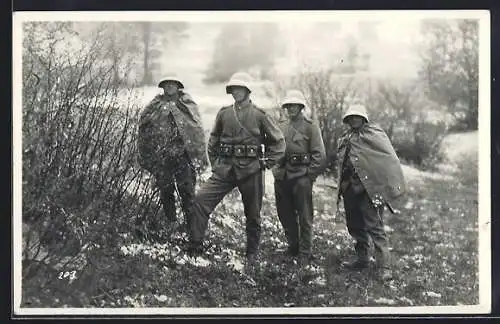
x=383, y=301
x=432, y=294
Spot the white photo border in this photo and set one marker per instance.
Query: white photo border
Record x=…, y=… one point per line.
x=484, y=225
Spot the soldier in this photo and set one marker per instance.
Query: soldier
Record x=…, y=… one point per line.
x=295, y=174
x=171, y=144
x=233, y=149
x=370, y=178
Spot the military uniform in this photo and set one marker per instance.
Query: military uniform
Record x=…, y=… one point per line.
x=233, y=149
x=370, y=177
x=294, y=175
x=171, y=147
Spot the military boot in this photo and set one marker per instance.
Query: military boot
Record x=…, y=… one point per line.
x=292, y=250
x=386, y=274
x=252, y=258
x=383, y=262
x=305, y=259
x=358, y=264
x=252, y=263
x=253, y=243
x=361, y=262
x=195, y=249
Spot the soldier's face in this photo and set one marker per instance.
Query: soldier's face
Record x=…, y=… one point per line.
x=170, y=88
x=239, y=93
x=355, y=121
x=293, y=111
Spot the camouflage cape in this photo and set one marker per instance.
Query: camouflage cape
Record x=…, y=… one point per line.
x=375, y=162
x=188, y=120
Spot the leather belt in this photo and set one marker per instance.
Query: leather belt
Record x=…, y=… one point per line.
x=237, y=150
x=299, y=158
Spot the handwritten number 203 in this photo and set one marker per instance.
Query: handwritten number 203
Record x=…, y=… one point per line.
x=71, y=275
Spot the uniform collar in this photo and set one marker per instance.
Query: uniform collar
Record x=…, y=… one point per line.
x=175, y=97
x=243, y=104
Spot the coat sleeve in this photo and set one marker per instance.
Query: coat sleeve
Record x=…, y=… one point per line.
x=318, y=153
x=274, y=140
x=198, y=136
x=214, y=139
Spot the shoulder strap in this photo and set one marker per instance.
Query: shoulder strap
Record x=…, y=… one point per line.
x=297, y=131
x=241, y=124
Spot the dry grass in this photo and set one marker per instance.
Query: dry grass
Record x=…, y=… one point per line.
x=433, y=240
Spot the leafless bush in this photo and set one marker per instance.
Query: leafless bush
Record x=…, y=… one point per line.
x=82, y=186
x=329, y=95
x=414, y=124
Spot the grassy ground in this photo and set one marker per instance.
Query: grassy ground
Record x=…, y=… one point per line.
x=433, y=243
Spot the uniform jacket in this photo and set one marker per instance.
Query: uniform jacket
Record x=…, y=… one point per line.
x=375, y=162
x=301, y=136
x=258, y=128
x=154, y=130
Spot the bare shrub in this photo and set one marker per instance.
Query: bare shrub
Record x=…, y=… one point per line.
x=415, y=125
x=82, y=187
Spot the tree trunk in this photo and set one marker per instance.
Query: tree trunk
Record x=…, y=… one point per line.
x=116, y=71
x=146, y=38
x=472, y=112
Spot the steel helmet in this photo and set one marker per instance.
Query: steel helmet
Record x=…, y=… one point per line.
x=239, y=79
x=171, y=78
x=356, y=110
x=294, y=97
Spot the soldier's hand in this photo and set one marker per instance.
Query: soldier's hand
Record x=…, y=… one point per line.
x=268, y=164
x=312, y=177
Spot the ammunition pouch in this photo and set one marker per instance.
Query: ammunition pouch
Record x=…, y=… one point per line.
x=240, y=151
x=225, y=150
x=299, y=159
